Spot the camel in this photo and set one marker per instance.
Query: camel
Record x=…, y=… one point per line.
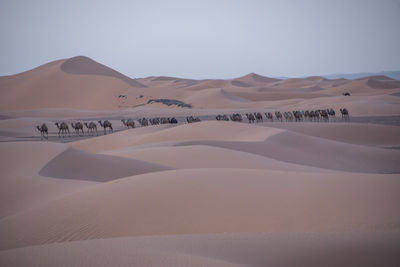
x=129, y=123
x=258, y=116
x=236, y=117
x=154, y=121
x=164, y=121
x=192, y=119
x=288, y=116
x=78, y=126
x=63, y=129
x=278, y=115
x=316, y=114
x=143, y=122
x=92, y=127
x=44, y=131
x=189, y=119
x=324, y=115
x=297, y=115
x=222, y=118
x=172, y=120
x=269, y=116
x=250, y=117
x=345, y=114
x=106, y=125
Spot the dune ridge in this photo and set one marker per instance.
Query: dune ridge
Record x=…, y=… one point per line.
x=80, y=165
x=72, y=82
x=84, y=65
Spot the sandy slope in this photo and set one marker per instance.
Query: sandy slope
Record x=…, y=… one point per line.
x=211, y=201
x=21, y=187
x=205, y=130
x=353, y=133
x=317, y=152
x=205, y=156
x=240, y=249
x=79, y=165
x=48, y=86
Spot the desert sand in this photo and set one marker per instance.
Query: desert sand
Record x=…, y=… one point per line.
x=209, y=193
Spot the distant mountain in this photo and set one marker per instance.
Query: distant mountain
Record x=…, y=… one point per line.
x=352, y=76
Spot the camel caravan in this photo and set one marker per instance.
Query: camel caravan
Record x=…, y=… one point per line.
x=324, y=115
x=63, y=128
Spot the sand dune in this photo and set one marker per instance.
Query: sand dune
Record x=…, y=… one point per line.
x=253, y=78
x=84, y=65
x=79, y=165
x=213, y=98
x=51, y=87
x=382, y=82
x=199, y=156
x=262, y=249
x=21, y=187
x=211, y=201
x=82, y=83
x=353, y=133
x=205, y=130
x=317, y=152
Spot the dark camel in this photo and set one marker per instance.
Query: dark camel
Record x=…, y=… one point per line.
x=92, y=127
x=129, y=123
x=172, y=120
x=78, y=126
x=106, y=125
x=250, y=117
x=63, y=129
x=143, y=122
x=345, y=114
x=44, y=131
x=269, y=116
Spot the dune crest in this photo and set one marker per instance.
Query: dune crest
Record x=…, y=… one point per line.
x=80, y=165
x=84, y=65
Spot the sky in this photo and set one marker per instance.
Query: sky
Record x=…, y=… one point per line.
x=204, y=39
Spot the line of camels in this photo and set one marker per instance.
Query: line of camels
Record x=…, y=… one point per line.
x=296, y=115
x=313, y=115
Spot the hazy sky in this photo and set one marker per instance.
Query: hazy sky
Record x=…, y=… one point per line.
x=204, y=39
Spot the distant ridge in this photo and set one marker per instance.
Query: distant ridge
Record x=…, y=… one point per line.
x=85, y=65
x=255, y=78
x=353, y=76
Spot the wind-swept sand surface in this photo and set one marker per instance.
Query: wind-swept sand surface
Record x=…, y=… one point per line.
x=239, y=249
x=211, y=193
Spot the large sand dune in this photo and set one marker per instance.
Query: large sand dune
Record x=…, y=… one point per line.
x=211, y=201
x=82, y=83
x=317, y=152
